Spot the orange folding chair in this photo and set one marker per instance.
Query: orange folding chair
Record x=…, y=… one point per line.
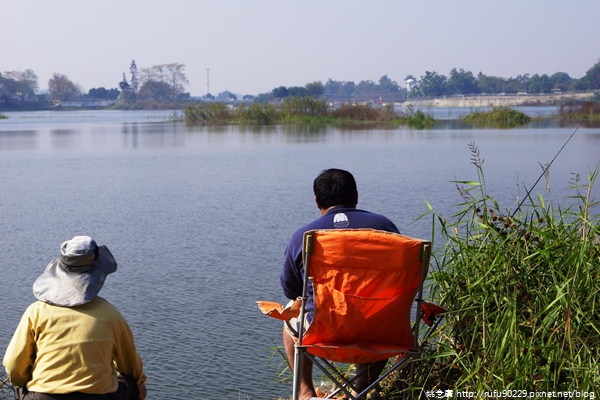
x=364, y=283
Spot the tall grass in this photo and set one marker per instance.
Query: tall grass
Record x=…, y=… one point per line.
x=523, y=293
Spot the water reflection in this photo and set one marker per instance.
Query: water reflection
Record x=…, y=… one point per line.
x=65, y=138
x=18, y=140
x=153, y=135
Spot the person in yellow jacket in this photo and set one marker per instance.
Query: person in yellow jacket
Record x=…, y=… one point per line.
x=71, y=343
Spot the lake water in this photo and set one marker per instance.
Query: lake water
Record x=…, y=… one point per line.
x=198, y=218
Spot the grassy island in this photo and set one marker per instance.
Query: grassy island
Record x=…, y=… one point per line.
x=304, y=110
x=499, y=117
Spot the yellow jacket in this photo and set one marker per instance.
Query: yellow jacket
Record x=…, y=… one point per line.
x=72, y=349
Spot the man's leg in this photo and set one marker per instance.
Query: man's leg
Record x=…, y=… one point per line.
x=307, y=390
x=373, y=371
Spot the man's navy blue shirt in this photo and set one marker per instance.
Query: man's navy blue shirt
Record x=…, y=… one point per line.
x=336, y=218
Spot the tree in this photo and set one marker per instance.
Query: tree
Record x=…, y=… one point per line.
x=62, y=88
x=561, y=81
x=281, y=92
x=387, y=85
x=20, y=85
x=226, y=96
x=155, y=91
x=103, y=93
x=432, y=84
x=338, y=90
x=297, y=91
x=124, y=85
x=134, y=76
x=177, y=79
x=315, y=89
x=461, y=82
x=578, y=85
x=27, y=77
x=592, y=77
x=349, y=88
x=490, y=84
x=172, y=75
x=366, y=90
x=540, y=84
x=389, y=90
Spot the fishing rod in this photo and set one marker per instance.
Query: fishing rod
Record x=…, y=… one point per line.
x=545, y=170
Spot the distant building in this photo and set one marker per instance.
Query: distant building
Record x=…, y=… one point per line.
x=410, y=83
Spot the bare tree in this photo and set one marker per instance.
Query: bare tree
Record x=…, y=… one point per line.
x=172, y=75
x=177, y=78
x=62, y=88
x=28, y=79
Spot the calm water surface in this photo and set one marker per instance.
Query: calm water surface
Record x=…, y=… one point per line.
x=198, y=218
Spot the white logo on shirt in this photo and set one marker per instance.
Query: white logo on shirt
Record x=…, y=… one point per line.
x=340, y=220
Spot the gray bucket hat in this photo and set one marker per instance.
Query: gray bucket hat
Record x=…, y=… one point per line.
x=77, y=276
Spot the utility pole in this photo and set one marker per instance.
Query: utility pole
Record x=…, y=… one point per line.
x=207, y=81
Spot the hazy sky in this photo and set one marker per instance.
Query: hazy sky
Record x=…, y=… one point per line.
x=253, y=46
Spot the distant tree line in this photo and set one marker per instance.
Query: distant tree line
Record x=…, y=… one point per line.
x=167, y=83
x=432, y=84
x=385, y=90
x=158, y=83
x=461, y=82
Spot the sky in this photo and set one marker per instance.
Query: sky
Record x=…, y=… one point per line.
x=253, y=46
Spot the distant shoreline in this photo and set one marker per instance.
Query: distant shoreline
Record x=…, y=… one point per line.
x=499, y=101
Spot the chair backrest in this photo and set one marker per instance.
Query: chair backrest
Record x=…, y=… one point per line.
x=364, y=284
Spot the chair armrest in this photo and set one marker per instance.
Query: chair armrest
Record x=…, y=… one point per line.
x=277, y=311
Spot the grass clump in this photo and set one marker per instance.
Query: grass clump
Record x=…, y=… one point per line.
x=522, y=292
x=2, y=116
x=209, y=113
x=500, y=117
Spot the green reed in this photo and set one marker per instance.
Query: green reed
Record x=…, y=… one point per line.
x=522, y=289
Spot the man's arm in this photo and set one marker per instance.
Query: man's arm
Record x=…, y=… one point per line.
x=291, y=276
x=20, y=353
x=128, y=360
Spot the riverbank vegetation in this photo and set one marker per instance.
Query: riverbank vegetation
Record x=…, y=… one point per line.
x=521, y=287
x=304, y=110
x=587, y=111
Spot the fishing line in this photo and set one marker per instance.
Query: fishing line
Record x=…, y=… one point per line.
x=546, y=169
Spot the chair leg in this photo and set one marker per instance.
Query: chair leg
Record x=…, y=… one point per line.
x=302, y=385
